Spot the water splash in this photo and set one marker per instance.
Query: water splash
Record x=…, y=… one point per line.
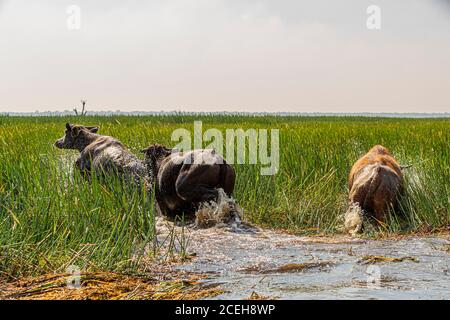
x=222, y=213
x=353, y=219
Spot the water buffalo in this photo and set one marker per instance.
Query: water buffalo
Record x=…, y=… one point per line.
x=375, y=181
x=100, y=154
x=183, y=180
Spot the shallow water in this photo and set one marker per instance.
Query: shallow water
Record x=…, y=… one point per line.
x=277, y=265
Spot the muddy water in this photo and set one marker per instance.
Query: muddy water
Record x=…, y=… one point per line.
x=277, y=265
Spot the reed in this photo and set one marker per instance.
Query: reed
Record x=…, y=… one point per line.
x=50, y=218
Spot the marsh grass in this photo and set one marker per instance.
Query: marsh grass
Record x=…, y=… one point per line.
x=51, y=218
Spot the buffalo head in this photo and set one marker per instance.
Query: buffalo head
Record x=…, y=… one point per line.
x=75, y=137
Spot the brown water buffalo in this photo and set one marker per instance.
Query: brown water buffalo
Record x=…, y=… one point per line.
x=375, y=181
x=100, y=154
x=182, y=180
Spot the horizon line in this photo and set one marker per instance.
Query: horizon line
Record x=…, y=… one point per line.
x=242, y=113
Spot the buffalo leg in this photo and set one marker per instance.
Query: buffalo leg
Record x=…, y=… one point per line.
x=228, y=184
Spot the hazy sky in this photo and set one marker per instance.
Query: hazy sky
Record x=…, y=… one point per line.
x=226, y=55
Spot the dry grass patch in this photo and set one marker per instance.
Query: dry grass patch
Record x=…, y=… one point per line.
x=110, y=286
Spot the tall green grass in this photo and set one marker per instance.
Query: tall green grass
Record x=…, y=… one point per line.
x=50, y=218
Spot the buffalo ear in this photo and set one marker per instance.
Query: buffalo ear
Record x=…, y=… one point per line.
x=69, y=126
x=144, y=150
x=75, y=131
x=93, y=129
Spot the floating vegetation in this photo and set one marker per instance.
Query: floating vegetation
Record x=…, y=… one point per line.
x=291, y=267
x=378, y=259
x=256, y=296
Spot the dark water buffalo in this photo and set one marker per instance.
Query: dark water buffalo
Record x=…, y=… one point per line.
x=375, y=181
x=182, y=180
x=100, y=154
